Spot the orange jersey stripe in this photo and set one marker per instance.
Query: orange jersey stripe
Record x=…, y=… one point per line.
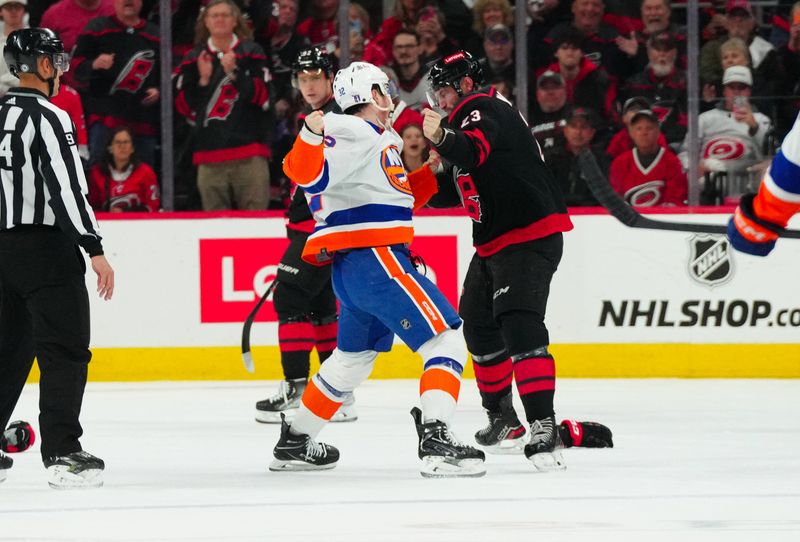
x=319, y=403
x=420, y=297
x=304, y=162
x=439, y=379
x=331, y=242
x=769, y=207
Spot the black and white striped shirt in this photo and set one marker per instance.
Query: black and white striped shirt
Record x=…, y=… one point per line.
x=41, y=177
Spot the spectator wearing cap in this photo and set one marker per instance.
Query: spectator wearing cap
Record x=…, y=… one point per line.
x=741, y=23
x=789, y=81
x=621, y=142
x=13, y=14
x=663, y=83
x=68, y=18
x=412, y=77
x=649, y=174
x=549, y=111
x=733, y=132
x=604, y=45
x=579, y=133
x=498, y=47
x=587, y=85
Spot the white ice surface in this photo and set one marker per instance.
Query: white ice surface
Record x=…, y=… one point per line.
x=695, y=460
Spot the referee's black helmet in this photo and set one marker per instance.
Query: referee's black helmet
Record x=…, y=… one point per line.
x=312, y=59
x=25, y=46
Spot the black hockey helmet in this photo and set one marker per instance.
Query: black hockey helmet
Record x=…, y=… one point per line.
x=313, y=58
x=450, y=70
x=25, y=46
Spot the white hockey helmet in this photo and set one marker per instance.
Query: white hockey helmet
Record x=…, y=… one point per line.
x=353, y=84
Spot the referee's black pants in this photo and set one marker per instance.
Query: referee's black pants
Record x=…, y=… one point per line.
x=44, y=312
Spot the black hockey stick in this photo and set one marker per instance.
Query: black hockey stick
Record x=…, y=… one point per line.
x=247, y=356
x=619, y=208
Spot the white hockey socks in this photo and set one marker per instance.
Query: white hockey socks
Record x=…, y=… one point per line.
x=444, y=356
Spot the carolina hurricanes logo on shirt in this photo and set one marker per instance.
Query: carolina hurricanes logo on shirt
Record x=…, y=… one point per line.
x=392, y=166
x=221, y=103
x=724, y=148
x=135, y=72
x=646, y=194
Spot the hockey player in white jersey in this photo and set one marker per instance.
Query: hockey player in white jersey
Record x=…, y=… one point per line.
x=349, y=165
x=759, y=219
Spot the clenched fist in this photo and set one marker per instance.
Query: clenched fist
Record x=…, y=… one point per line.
x=431, y=126
x=315, y=122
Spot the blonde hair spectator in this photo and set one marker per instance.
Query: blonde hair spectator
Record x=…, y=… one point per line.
x=734, y=52
x=491, y=12
x=242, y=29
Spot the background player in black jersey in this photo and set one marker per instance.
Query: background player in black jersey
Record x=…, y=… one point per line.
x=303, y=298
x=518, y=216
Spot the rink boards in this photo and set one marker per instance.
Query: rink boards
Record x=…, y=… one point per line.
x=624, y=303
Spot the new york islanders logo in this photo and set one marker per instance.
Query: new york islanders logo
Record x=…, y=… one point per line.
x=395, y=171
x=136, y=71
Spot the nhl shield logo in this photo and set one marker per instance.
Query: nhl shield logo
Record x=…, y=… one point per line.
x=710, y=260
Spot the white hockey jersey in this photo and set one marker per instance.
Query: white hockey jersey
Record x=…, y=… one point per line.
x=723, y=138
x=356, y=185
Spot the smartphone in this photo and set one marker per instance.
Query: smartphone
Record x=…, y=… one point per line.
x=355, y=26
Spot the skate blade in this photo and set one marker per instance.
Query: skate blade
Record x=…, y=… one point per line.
x=60, y=478
x=2, y=476
x=279, y=465
x=548, y=461
x=264, y=416
x=506, y=447
x=438, y=467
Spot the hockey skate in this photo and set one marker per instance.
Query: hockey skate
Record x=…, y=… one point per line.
x=347, y=412
x=442, y=455
x=504, y=434
x=5, y=464
x=75, y=470
x=544, y=447
x=286, y=401
x=301, y=452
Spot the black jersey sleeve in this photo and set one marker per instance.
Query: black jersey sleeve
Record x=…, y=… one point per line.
x=468, y=145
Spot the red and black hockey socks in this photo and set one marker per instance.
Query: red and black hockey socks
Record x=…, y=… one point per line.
x=535, y=374
x=296, y=340
x=325, y=336
x=494, y=374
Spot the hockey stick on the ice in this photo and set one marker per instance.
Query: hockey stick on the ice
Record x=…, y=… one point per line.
x=247, y=356
x=626, y=214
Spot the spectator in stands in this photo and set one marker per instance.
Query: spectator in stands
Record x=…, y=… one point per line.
x=578, y=133
x=789, y=82
x=491, y=12
x=498, y=47
x=622, y=142
x=433, y=40
x=69, y=100
x=549, y=111
x=222, y=90
x=649, y=174
x=663, y=84
x=734, y=52
x=412, y=77
x=741, y=23
x=603, y=44
x=587, y=85
x=402, y=115
x=121, y=182
x=415, y=150
x=68, y=18
x=279, y=39
x=321, y=29
x=13, y=14
x=117, y=71
x=360, y=33
x=657, y=18
x=732, y=135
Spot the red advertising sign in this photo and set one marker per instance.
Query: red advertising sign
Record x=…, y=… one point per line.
x=235, y=273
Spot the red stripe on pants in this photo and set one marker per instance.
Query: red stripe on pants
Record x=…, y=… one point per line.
x=493, y=378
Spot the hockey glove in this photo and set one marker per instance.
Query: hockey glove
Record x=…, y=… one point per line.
x=17, y=438
x=751, y=234
x=585, y=434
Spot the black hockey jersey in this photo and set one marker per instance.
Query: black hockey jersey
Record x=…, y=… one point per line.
x=505, y=186
x=114, y=96
x=229, y=112
x=299, y=215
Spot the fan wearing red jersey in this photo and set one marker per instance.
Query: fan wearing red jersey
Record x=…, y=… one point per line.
x=649, y=174
x=120, y=182
x=69, y=100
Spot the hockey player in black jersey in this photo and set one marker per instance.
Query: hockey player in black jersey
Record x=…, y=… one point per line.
x=518, y=216
x=303, y=298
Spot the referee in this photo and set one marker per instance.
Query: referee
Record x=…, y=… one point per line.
x=44, y=218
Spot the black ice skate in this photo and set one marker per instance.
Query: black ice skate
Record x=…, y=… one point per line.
x=504, y=434
x=5, y=464
x=301, y=452
x=544, y=447
x=75, y=470
x=286, y=401
x=442, y=455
